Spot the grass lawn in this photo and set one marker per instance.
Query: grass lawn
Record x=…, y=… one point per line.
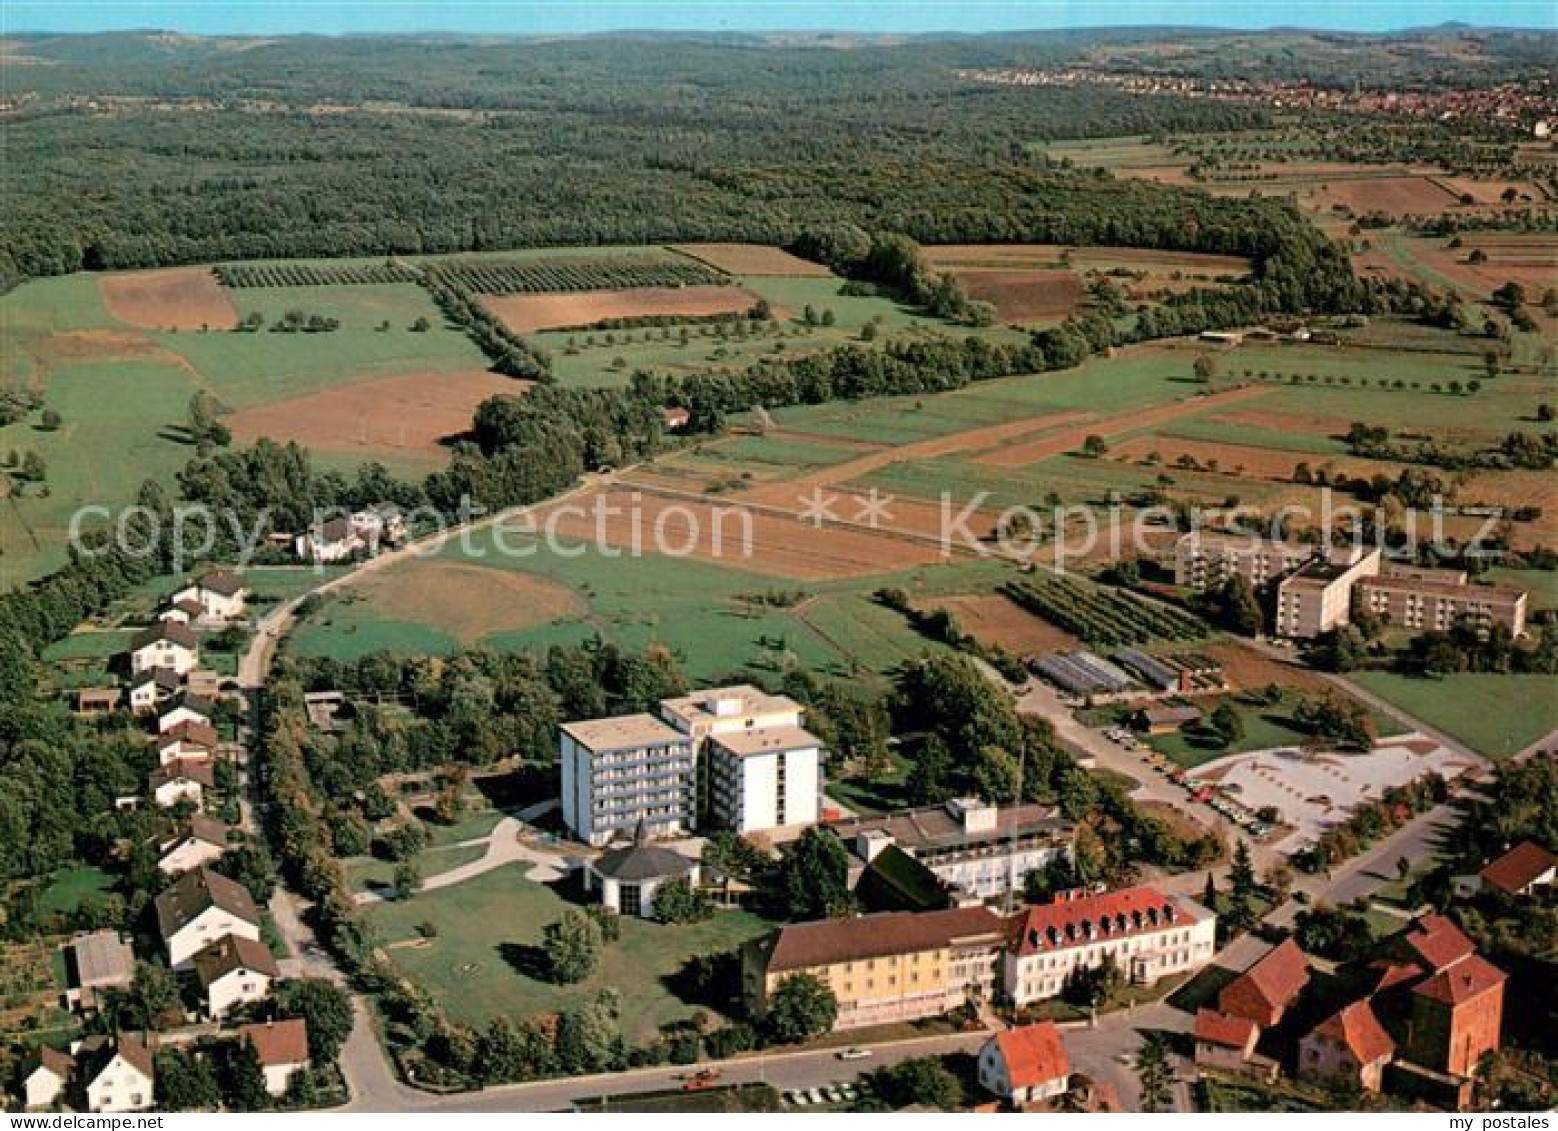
x=73, y=888
x=872, y=796
x=1496, y=715
x=366, y=873
x=88, y=646
x=1265, y=727
x=488, y=931
x=1541, y=583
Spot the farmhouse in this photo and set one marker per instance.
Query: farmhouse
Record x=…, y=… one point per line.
x=1263, y=992
x=164, y=645
x=200, y=907
x=234, y=971
x=1521, y=870
x=628, y=878
x=181, y=779
x=117, y=1074
x=194, y=843
x=97, y=963
x=98, y=700
x=1349, y=1045
x=980, y=850
x=151, y=687
x=891, y=967
x=220, y=593
x=331, y=541
x=1026, y=1064
x=48, y=1077
x=1223, y=1041
x=282, y=1047
x=1149, y=935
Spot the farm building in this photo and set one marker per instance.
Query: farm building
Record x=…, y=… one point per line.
x=97, y=963
x=1083, y=673
x=1166, y=720
x=1223, y=1040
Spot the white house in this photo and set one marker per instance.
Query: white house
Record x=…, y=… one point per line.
x=185, y=708
x=186, y=611
x=220, y=593
x=332, y=541
x=166, y=644
x=118, y=1075
x=193, y=844
x=283, y=1050
x=627, y=878
x=180, y=780
x=1149, y=935
x=234, y=971
x=380, y=525
x=152, y=687
x=46, y=1082
x=1025, y=1064
x=200, y=907
x=188, y=741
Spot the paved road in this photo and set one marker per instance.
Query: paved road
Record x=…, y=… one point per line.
x=503, y=847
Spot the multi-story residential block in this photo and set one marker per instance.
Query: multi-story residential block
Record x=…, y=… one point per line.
x=1423, y=603
x=621, y=771
x=1317, y=596
x=1149, y=935
x=980, y=850
x=1206, y=558
x=896, y=966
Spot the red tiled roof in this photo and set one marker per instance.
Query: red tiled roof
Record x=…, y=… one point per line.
x=1034, y=1054
x=1470, y=978
x=1359, y=1029
x=1438, y=941
x=1134, y=911
x=1395, y=973
x=1276, y=978
x=829, y=941
x=1515, y=869
x=1224, y=1029
x=279, y=1042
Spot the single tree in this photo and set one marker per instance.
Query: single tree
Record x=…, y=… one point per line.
x=573, y=947
x=802, y=1006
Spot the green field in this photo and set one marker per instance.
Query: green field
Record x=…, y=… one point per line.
x=1496, y=715
x=490, y=927
x=364, y=873
x=1265, y=728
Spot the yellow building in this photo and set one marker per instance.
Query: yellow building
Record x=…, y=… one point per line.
x=895, y=966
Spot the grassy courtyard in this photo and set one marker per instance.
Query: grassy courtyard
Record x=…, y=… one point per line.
x=480, y=963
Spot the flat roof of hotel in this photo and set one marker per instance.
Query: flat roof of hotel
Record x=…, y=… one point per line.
x=623, y=732
x=765, y=740
x=754, y=701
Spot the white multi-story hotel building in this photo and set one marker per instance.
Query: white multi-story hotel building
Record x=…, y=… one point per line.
x=618, y=772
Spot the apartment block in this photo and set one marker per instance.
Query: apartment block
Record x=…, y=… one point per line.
x=620, y=771
x=1425, y=600
x=1317, y=596
x=1204, y=559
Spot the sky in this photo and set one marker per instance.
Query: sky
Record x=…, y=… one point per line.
x=329, y=17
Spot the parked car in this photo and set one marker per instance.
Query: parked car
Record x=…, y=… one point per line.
x=855, y=1054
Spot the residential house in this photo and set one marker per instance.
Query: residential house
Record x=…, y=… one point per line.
x=117, y=1073
x=166, y=644
x=1149, y=936
x=234, y=971
x=980, y=850
x=98, y=700
x=184, y=708
x=628, y=877
x=383, y=524
x=1263, y=992
x=1026, y=1064
x=153, y=687
x=200, y=907
x=1521, y=870
x=282, y=1047
x=187, y=741
x=221, y=594
x=46, y=1081
x=883, y=968
x=186, y=611
x=194, y=843
x=183, y=779
x=97, y=962
x=335, y=540
x=1350, y=1045
x=1223, y=1040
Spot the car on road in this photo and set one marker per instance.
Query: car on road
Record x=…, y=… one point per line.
x=701, y=1080
x=855, y=1054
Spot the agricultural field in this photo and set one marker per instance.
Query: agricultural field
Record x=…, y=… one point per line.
x=1100, y=616
x=179, y=298
x=525, y=312
x=481, y=961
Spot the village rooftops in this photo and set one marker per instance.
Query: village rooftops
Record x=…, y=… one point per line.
x=933, y=827
x=202, y=828
x=828, y=942
x=766, y=740
x=168, y=630
x=1224, y=1029
x=1518, y=868
x=196, y=892
x=233, y=952
x=624, y=732
x=97, y=1052
x=1271, y=983
x=1358, y=1029
x=102, y=959
x=1034, y=1054
x=166, y=679
x=183, y=769
x=191, y=731
x=738, y=701
x=1111, y=915
x=1467, y=979
x=278, y=1042
x=1438, y=942
x=223, y=581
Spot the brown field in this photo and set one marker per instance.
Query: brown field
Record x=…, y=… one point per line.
x=1489, y=192
x=1248, y=668
x=178, y=298
x=409, y=415
x=1070, y=439
x=1184, y=825
x=1025, y=296
x=1245, y=460
x=1397, y=196
x=733, y=535
x=1012, y=257
x=526, y=313
x=752, y=259
x=469, y=602
x=999, y=621
x=1522, y=263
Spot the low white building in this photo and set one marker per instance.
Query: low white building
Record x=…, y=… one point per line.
x=221, y=595
x=282, y=1047
x=118, y=1074
x=332, y=541
x=193, y=844
x=1149, y=936
x=628, y=877
x=1026, y=1064
x=153, y=687
x=200, y=907
x=45, y=1082
x=234, y=971
x=166, y=644
x=181, y=780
